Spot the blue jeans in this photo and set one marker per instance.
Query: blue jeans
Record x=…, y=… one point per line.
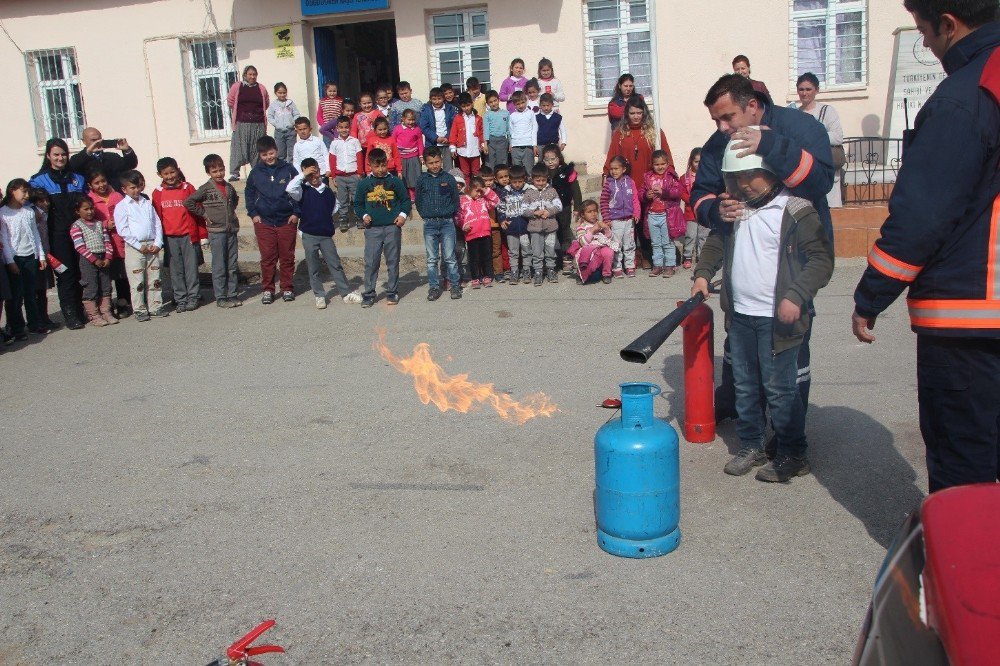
x=439, y=232
x=756, y=368
x=664, y=253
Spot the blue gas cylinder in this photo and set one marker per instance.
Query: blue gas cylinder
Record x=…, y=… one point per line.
x=637, y=476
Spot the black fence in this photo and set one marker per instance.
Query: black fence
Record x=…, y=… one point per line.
x=872, y=166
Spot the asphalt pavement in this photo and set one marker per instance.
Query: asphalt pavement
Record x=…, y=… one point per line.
x=168, y=485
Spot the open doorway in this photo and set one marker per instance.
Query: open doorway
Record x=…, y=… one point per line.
x=358, y=56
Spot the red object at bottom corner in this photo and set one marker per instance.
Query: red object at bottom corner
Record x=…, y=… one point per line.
x=962, y=571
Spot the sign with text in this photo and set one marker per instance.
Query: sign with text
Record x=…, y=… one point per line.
x=283, y=42
x=315, y=7
x=916, y=76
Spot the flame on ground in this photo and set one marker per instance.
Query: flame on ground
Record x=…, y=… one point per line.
x=457, y=392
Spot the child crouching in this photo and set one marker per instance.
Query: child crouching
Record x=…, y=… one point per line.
x=593, y=251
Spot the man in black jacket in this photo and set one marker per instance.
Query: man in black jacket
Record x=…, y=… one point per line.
x=111, y=164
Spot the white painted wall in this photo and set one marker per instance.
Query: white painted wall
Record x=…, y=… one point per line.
x=130, y=64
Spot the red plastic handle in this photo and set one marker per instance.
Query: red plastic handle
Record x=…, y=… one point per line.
x=238, y=650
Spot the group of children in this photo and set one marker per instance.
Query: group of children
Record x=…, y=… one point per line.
x=472, y=128
x=466, y=161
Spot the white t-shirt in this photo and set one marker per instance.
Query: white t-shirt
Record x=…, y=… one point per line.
x=471, y=147
x=756, y=252
x=440, y=125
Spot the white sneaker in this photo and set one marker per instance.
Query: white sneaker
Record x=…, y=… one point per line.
x=320, y=302
x=353, y=297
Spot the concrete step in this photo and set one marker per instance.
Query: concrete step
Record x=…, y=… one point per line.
x=591, y=183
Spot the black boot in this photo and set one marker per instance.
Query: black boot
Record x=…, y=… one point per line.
x=72, y=319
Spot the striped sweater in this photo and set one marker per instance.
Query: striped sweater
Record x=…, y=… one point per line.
x=77, y=233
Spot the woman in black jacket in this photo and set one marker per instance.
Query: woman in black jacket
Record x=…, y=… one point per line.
x=63, y=187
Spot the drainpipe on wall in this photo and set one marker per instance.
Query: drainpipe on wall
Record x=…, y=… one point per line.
x=654, y=69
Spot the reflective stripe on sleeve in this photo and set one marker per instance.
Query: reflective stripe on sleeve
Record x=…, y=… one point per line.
x=701, y=201
x=802, y=172
x=891, y=267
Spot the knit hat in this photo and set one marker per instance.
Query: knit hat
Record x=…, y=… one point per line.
x=458, y=175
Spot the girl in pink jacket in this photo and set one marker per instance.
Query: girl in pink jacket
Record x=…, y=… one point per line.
x=594, y=249
x=662, y=190
x=474, y=220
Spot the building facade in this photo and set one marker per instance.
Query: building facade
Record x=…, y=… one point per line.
x=157, y=72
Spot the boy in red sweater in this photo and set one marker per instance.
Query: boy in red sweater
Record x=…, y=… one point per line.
x=181, y=233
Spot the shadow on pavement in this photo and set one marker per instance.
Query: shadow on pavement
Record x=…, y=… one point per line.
x=855, y=458
x=851, y=454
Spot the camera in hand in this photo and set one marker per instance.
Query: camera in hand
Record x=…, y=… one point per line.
x=109, y=143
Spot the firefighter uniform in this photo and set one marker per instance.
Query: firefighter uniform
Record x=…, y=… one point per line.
x=942, y=241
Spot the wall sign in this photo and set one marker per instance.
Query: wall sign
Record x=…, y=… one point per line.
x=283, y=42
x=314, y=7
x=915, y=76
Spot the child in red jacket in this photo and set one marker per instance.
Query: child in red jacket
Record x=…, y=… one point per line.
x=466, y=137
x=661, y=188
x=180, y=232
x=381, y=139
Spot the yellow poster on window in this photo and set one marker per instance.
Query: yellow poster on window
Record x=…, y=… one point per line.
x=283, y=42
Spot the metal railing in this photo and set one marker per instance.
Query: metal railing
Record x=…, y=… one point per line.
x=872, y=166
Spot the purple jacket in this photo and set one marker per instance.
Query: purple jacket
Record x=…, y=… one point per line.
x=508, y=88
x=620, y=199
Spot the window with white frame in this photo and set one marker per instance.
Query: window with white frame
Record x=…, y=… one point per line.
x=460, y=48
x=56, y=98
x=618, y=39
x=830, y=39
x=211, y=70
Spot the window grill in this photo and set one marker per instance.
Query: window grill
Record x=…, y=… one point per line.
x=618, y=39
x=56, y=97
x=830, y=39
x=210, y=70
x=460, y=48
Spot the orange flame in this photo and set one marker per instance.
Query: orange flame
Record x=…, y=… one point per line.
x=458, y=393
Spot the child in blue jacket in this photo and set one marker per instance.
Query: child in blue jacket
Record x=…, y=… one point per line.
x=435, y=122
x=275, y=217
